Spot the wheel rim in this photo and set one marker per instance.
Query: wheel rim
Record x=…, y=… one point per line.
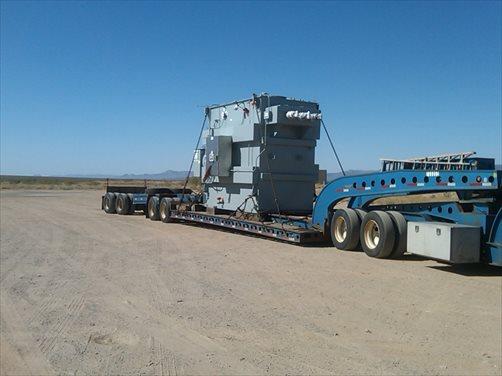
x=119, y=205
x=371, y=234
x=162, y=211
x=151, y=213
x=340, y=229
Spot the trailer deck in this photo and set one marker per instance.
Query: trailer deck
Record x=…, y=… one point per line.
x=271, y=229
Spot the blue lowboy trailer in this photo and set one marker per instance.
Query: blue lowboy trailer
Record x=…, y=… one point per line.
x=477, y=202
x=258, y=174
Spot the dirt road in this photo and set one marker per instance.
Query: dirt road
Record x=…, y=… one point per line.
x=83, y=292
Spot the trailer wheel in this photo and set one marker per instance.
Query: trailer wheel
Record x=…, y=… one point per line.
x=361, y=214
x=153, y=208
x=377, y=234
x=130, y=196
x=109, y=204
x=401, y=233
x=344, y=229
x=123, y=204
x=165, y=209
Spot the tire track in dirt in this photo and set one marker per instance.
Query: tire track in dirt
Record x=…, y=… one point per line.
x=158, y=299
x=54, y=334
x=169, y=362
x=48, y=305
x=164, y=361
x=21, y=340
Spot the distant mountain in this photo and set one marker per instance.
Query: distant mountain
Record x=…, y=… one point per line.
x=180, y=175
x=166, y=175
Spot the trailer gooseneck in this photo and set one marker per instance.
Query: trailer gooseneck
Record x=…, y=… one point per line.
x=258, y=174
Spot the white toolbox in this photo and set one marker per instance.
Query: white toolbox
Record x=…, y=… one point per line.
x=445, y=241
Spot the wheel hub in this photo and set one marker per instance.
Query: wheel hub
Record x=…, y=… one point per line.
x=371, y=234
x=340, y=229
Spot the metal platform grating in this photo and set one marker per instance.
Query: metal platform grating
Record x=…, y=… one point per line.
x=271, y=230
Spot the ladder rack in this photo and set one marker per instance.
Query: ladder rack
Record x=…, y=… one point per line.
x=454, y=161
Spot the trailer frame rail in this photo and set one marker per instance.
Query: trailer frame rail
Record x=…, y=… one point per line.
x=273, y=230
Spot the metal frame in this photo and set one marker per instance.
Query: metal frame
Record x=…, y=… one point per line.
x=272, y=230
x=363, y=190
x=453, y=161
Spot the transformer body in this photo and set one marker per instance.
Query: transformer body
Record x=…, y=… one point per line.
x=259, y=155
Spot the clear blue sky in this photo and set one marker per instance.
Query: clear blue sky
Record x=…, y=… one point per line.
x=119, y=87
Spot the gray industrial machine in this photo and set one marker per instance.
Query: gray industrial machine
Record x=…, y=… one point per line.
x=259, y=155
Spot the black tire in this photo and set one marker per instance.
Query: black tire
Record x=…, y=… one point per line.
x=153, y=208
x=131, y=206
x=123, y=204
x=377, y=234
x=361, y=214
x=344, y=229
x=109, y=203
x=401, y=228
x=165, y=209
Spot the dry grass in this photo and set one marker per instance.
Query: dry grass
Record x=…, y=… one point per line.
x=56, y=183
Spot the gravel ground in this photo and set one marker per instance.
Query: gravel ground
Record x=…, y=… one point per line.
x=83, y=292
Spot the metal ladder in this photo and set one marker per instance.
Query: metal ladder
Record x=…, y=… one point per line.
x=449, y=162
